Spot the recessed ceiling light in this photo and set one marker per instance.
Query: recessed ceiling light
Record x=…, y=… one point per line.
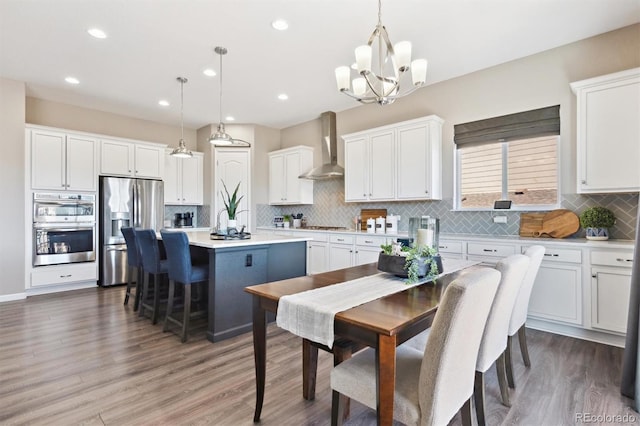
x=209, y=72
x=229, y=118
x=163, y=102
x=283, y=96
x=97, y=33
x=72, y=80
x=354, y=66
x=280, y=24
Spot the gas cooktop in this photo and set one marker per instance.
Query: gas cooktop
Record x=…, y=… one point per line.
x=325, y=228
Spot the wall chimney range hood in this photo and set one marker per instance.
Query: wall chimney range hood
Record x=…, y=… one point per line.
x=330, y=168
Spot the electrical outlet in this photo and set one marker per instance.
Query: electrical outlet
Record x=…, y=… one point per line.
x=499, y=219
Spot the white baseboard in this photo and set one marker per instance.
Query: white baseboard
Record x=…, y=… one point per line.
x=577, y=332
x=58, y=288
x=12, y=297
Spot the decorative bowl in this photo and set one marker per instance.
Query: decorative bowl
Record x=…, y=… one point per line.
x=396, y=265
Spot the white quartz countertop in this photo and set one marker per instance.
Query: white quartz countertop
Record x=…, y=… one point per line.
x=203, y=239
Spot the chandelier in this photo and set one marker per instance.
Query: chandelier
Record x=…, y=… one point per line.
x=383, y=85
x=181, y=151
x=221, y=137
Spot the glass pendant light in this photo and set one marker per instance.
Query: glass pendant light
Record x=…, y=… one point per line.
x=181, y=151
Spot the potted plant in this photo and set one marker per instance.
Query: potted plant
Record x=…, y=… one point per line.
x=597, y=221
x=287, y=220
x=231, y=204
x=411, y=262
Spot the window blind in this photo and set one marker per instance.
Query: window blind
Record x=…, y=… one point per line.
x=521, y=125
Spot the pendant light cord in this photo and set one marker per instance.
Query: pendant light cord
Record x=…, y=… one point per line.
x=182, y=108
x=220, y=104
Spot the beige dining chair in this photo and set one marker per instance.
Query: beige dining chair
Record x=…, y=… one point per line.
x=519, y=314
x=494, y=339
x=433, y=385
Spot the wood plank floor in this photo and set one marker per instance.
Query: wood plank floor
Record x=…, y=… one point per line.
x=81, y=357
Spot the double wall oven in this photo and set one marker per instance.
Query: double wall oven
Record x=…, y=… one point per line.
x=64, y=228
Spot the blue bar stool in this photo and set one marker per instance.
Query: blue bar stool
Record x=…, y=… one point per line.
x=152, y=264
x=134, y=263
x=182, y=271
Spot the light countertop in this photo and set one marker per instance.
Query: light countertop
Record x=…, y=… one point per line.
x=203, y=239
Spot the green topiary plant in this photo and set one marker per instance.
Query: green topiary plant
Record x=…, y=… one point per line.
x=597, y=217
x=232, y=202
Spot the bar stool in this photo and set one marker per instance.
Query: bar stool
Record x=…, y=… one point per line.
x=134, y=261
x=152, y=264
x=182, y=271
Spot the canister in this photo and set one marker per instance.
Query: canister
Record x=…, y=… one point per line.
x=371, y=225
x=392, y=224
x=381, y=225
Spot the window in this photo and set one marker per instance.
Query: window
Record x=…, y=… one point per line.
x=513, y=157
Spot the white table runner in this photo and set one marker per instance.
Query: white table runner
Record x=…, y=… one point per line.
x=310, y=314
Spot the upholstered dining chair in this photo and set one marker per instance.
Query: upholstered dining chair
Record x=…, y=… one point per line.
x=153, y=266
x=134, y=265
x=519, y=315
x=433, y=385
x=182, y=271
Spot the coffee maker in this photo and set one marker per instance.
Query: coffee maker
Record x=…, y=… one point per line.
x=183, y=220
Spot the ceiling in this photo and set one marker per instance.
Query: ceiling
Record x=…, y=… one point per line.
x=151, y=42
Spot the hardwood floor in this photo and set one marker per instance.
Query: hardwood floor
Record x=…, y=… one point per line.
x=81, y=357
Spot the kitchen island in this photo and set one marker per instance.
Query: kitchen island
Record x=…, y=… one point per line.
x=235, y=264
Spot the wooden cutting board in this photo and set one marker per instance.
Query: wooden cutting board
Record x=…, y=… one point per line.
x=559, y=223
x=531, y=224
x=371, y=213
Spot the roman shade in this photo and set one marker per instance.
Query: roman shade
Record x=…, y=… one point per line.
x=521, y=125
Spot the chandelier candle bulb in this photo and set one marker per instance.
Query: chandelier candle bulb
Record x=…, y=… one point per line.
x=363, y=58
x=403, y=55
x=419, y=72
x=359, y=86
x=343, y=75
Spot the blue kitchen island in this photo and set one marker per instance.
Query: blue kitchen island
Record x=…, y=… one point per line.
x=236, y=264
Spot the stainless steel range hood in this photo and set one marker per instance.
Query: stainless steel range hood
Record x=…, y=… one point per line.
x=330, y=168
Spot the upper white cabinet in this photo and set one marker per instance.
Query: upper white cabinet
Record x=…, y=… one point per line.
x=402, y=161
x=63, y=161
x=124, y=158
x=608, y=134
x=285, y=166
x=184, y=179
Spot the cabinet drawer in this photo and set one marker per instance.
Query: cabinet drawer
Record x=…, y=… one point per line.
x=560, y=255
x=317, y=236
x=450, y=247
x=612, y=258
x=47, y=275
x=341, y=239
x=490, y=249
x=370, y=241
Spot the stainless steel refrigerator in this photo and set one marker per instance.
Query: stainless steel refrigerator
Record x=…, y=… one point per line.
x=138, y=203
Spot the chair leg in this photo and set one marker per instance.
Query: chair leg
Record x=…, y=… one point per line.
x=337, y=408
x=478, y=395
x=144, y=295
x=136, y=303
x=129, y=282
x=509, y=363
x=187, y=312
x=341, y=354
x=172, y=285
x=522, y=338
x=156, y=298
x=502, y=380
x=309, y=369
x=465, y=412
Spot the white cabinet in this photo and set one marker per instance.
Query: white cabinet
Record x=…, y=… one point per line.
x=396, y=162
x=125, y=158
x=340, y=251
x=557, y=292
x=285, y=166
x=368, y=248
x=318, y=254
x=449, y=249
x=610, y=289
x=64, y=274
x=184, y=179
x=63, y=161
x=608, y=134
x=489, y=253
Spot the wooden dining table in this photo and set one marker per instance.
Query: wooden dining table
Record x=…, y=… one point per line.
x=381, y=324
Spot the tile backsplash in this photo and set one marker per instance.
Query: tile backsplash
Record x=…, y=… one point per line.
x=200, y=214
x=330, y=209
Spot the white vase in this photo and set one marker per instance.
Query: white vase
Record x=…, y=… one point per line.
x=232, y=223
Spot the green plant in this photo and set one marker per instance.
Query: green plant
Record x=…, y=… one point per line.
x=232, y=202
x=597, y=217
x=387, y=249
x=417, y=254
x=286, y=218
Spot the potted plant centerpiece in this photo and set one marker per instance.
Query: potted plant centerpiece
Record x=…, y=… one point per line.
x=231, y=204
x=597, y=221
x=412, y=262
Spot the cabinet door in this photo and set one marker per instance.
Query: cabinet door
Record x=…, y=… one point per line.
x=414, y=163
x=557, y=293
x=356, y=184
x=47, y=160
x=340, y=256
x=277, y=193
x=291, y=180
x=366, y=255
x=116, y=158
x=172, y=180
x=610, y=289
x=192, y=180
x=149, y=161
x=81, y=163
x=317, y=257
x=382, y=166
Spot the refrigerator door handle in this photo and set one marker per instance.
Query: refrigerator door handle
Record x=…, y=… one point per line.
x=116, y=249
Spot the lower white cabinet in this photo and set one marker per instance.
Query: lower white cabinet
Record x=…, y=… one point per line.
x=449, y=249
x=340, y=251
x=489, y=253
x=610, y=289
x=318, y=254
x=64, y=274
